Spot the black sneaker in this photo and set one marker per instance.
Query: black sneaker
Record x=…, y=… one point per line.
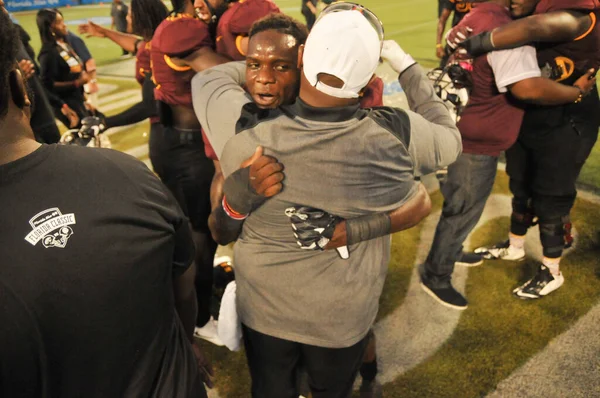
x=446, y=296
x=469, y=260
x=542, y=284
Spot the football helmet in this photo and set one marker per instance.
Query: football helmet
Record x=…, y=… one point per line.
x=452, y=84
x=89, y=134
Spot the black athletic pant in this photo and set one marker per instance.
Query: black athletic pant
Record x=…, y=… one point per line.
x=543, y=166
x=274, y=363
x=178, y=158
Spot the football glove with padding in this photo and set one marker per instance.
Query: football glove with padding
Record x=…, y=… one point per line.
x=313, y=228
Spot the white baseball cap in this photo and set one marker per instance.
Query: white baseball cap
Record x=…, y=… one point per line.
x=345, y=42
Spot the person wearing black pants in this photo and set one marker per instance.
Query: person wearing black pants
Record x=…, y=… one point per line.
x=61, y=70
x=554, y=142
x=271, y=360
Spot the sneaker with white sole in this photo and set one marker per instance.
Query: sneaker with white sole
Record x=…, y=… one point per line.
x=209, y=332
x=469, y=260
x=501, y=251
x=446, y=296
x=542, y=284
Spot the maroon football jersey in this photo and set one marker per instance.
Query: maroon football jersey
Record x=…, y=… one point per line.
x=566, y=62
x=490, y=123
x=236, y=22
x=142, y=62
x=373, y=94
x=177, y=36
x=142, y=68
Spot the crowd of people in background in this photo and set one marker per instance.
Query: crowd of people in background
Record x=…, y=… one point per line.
x=273, y=135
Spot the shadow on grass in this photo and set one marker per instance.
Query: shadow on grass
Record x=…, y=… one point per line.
x=499, y=333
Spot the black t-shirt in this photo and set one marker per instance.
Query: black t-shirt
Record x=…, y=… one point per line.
x=89, y=242
x=22, y=356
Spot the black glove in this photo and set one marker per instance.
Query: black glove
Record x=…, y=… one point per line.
x=313, y=228
x=479, y=44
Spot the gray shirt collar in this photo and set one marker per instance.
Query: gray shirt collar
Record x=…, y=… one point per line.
x=337, y=114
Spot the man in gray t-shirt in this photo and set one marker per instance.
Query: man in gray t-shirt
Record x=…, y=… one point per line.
x=313, y=306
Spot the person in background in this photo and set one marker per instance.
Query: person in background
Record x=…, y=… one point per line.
x=61, y=70
x=183, y=165
x=309, y=10
x=554, y=142
x=460, y=8
x=78, y=45
x=42, y=115
x=144, y=17
x=502, y=82
x=118, y=13
x=233, y=20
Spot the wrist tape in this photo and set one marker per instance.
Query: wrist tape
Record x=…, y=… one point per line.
x=479, y=44
x=367, y=227
x=241, y=197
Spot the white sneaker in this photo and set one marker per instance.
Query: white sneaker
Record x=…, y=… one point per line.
x=542, y=284
x=209, y=332
x=501, y=251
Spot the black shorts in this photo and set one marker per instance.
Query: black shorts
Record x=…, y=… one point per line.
x=550, y=152
x=179, y=160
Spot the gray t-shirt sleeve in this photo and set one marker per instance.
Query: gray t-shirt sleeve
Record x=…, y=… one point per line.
x=218, y=99
x=435, y=141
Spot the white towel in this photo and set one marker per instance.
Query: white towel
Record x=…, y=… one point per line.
x=229, y=326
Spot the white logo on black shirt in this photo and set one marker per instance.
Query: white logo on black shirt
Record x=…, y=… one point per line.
x=51, y=227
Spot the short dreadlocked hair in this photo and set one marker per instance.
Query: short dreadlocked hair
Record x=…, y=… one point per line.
x=8, y=58
x=282, y=24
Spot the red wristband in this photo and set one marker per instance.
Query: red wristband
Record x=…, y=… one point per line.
x=232, y=213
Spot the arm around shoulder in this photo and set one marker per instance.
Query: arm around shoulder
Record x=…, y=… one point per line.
x=218, y=99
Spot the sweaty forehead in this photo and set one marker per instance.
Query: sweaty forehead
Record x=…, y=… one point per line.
x=273, y=43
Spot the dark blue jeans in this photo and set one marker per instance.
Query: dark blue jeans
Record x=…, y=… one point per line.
x=468, y=185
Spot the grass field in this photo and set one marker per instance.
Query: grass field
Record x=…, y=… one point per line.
x=497, y=333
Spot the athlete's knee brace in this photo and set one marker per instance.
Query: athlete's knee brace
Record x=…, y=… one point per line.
x=522, y=216
x=555, y=234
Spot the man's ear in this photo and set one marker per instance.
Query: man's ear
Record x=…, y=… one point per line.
x=300, y=55
x=17, y=89
x=362, y=92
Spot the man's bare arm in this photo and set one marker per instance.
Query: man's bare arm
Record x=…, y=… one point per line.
x=202, y=59
x=558, y=26
x=441, y=26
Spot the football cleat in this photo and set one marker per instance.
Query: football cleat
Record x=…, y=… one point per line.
x=501, y=251
x=542, y=284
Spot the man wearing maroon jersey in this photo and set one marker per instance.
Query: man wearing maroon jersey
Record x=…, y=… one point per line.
x=489, y=125
x=234, y=19
x=554, y=142
x=184, y=168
